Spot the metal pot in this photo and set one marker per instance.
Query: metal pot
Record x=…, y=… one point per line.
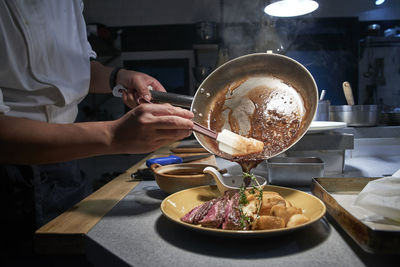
x=208, y=96
x=355, y=115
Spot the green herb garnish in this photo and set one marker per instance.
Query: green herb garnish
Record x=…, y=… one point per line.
x=245, y=220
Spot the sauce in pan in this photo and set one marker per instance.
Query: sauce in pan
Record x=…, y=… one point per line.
x=264, y=108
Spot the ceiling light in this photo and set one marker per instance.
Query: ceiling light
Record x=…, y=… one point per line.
x=379, y=2
x=291, y=8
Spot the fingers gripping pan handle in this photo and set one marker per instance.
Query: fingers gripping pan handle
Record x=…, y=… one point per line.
x=184, y=101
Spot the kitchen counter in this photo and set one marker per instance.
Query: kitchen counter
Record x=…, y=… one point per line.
x=122, y=225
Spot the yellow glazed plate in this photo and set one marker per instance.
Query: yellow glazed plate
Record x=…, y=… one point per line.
x=178, y=204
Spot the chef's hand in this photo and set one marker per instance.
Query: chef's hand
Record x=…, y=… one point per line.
x=149, y=127
x=137, y=84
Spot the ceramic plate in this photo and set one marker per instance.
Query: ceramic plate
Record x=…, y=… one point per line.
x=180, y=203
x=320, y=126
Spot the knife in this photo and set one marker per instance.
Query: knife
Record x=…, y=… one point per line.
x=172, y=159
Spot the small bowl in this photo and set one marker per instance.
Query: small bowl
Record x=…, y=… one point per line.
x=176, y=177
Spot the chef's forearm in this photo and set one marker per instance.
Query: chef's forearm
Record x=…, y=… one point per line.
x=24, y=141
x=99, y=78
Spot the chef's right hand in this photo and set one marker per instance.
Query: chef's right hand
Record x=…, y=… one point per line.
x=148, y=127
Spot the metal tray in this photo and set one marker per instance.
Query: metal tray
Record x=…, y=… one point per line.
x=294, y=170
x=381, y=237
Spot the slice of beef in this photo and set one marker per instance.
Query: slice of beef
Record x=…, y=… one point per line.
x=198, y=213
x=232, y=214
x=216, y=215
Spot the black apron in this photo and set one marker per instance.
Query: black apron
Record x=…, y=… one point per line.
x=32, y=195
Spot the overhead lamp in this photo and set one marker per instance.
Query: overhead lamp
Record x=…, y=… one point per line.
x=379, y=2
x=290, y=8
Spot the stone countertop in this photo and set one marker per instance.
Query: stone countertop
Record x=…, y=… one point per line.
x=135, y=233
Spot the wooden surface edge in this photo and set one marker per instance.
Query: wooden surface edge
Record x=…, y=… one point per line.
x=66, y=234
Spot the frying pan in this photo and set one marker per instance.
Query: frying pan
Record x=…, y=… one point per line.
x=207, y=98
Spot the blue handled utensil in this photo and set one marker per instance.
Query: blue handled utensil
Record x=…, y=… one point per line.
x=175, y=159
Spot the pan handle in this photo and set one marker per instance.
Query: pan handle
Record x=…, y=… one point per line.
x=184, y=101
x=171, y=98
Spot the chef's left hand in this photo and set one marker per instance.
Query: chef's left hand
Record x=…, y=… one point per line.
x=137, y=84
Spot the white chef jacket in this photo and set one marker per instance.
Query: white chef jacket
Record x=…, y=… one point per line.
x=45, y=59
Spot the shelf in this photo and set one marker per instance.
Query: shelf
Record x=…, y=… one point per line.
x=205, y=46
x=377, y=41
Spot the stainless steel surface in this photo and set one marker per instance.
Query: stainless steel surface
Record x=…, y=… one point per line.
x=322, y=113
x=330, y=147
x=334, y=159
x=372, y=132
x=355, y=115
x=294, y=171
x=325, y=141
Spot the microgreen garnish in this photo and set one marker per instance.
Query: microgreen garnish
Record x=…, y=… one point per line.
x=245, y=220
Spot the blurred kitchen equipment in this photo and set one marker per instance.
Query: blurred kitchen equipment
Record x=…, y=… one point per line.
x=322, y=113
x=223, y=56
x=392, y=117
x=297, y=171
x=354, y=115
x=201, y=72
x=330, y=148
x=321, y=97
x=206, y=32
x=348, y=93
x=374, y=30
x=392, y=32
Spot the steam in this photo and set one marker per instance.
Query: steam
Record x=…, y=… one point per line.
x=247, y=29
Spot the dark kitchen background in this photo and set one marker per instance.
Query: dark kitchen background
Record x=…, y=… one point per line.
x=179, y=42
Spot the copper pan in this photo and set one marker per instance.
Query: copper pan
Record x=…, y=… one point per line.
x=209, y=92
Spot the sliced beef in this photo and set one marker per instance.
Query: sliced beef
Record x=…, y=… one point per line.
x=216, y=215
x=198, y=213
x=232, y=214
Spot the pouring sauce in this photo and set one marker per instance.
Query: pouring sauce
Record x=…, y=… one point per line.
x=263, y=108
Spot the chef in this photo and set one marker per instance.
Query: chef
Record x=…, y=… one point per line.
x=47, y=68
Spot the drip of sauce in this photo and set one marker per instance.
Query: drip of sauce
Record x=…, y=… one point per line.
x=275, y=120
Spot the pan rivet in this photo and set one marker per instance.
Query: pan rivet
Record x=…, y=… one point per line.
x=201, y=114
x=207, y=94
x=202, y=90
x=194, y=111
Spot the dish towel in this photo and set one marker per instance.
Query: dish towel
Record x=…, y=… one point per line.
x=382, y=196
